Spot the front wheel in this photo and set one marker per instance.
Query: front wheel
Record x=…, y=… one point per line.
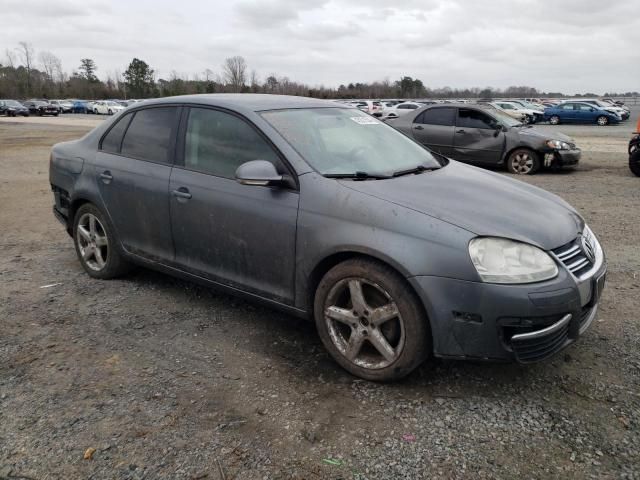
x=370, y=321
x=96, y=244
x=554, y=120
x=602, y=120
x=523, y=162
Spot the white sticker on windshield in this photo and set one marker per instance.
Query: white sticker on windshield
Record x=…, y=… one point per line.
x=365, y=120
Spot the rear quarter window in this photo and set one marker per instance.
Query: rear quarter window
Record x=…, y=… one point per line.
x=113, y=139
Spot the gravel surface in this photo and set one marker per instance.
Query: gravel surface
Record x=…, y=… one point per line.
x=165, y=379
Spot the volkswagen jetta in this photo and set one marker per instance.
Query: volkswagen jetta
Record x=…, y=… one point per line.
x=321, y=210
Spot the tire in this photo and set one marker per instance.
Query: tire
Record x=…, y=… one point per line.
x=389, y=318
x=602, y=121
x=96, y=245
x=523, y=161
x=554, y=120
x=634, y=162
x=526, y=120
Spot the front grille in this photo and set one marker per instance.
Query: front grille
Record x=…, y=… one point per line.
x=528, y=350
x=574, y=257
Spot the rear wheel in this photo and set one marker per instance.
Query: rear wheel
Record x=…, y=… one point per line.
x=523, y=161
x=602, y=120
x=370, y=321
x=96, y=244
x=554, y=120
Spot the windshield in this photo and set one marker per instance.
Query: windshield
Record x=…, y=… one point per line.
x=12, y=103
x=344, y=141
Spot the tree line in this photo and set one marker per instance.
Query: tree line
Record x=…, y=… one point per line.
x=23, y=74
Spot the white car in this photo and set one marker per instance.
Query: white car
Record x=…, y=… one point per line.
x=400, y=109
x=107, y=107
x=369, y=106
x=517, y=111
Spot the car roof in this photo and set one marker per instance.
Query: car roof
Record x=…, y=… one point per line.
x=246, y=101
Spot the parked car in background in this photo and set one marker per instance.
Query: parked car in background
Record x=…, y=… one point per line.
x=485, y=136
x=579, y=112
x=13, y=108
x=64, y=106
x=40, y=107
x=80, y=106
x=372, y=107
x=529, y=115
x=510, y=110
x=401, y=109
x=107, y=107
x=621, y=112
x=396, y=253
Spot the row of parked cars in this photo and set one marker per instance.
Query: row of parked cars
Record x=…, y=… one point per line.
x=13, y=108
x=527, y=111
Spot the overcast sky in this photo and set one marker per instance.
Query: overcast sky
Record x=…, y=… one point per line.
x=566, y=45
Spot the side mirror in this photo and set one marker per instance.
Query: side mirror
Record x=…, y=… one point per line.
x=258, y=172
x=592, y=109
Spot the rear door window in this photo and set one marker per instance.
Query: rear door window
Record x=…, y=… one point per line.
x=437, y=116
x=113, y=139
x=474, y=119
x=150, y=134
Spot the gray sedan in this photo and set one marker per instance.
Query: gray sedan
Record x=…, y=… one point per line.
x=325, y=212
x=484, y=136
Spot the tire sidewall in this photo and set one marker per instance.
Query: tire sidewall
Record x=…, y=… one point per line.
x=417, y=344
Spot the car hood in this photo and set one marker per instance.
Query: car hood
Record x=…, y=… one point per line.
x=482, y=202
x=544, y=135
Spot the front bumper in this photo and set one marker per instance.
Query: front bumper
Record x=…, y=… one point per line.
x=523, y=323
x=562, y=158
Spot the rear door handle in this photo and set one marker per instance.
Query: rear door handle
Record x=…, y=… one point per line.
x=419, y=127
x=460, y=131
x=181, y=193
x=106, y=177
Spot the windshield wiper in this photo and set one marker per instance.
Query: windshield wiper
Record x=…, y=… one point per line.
x=359, y=175
x=418, y=169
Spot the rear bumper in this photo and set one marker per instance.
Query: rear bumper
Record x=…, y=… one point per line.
x=522, y=323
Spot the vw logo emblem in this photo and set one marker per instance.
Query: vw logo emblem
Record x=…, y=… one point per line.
x=587, y=248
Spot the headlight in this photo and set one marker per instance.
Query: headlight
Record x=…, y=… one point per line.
x=499, y=260
x=558, y=145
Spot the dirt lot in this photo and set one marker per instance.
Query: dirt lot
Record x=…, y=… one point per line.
x=166, y=379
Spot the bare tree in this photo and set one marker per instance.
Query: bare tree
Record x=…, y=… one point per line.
x=235, y=72
x=11, y=58
x=25, y=50
x=51, y=65
x=255, y=82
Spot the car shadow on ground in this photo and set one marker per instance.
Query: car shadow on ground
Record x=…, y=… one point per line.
x=293, y=344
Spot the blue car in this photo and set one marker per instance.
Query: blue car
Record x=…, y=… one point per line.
x=579, y=112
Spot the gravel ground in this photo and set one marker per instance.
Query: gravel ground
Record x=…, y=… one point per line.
x=165, y=379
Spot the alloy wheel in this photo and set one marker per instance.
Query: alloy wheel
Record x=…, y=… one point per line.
x=522, y=163
x=92, y=242
x=602, y=121
x=364, y=323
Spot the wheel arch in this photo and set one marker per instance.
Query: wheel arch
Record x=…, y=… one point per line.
x=329, y=261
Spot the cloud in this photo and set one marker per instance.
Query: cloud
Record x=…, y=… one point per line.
x=568, y=45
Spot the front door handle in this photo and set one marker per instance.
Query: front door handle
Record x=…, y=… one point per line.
x=181, y=193
x=419, y=127
x=460, y=131
x=106, y=177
